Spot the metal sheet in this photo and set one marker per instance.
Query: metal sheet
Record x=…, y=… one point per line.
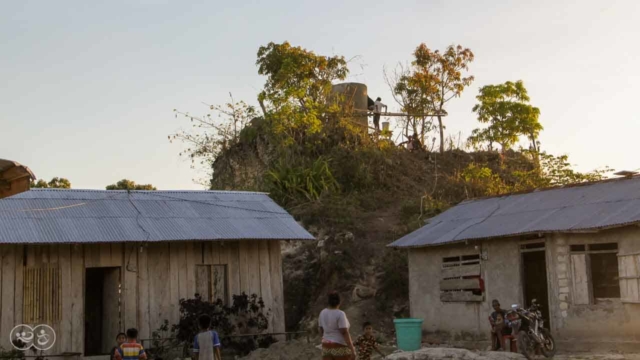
x=92, y=216
x=593, y=206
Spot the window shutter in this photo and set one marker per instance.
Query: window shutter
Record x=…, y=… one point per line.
x=220, y=282
x=203, y=282
x=629, y=267
x=211, y=282
x=42, y=295
x=580, y=279
x=460, y=279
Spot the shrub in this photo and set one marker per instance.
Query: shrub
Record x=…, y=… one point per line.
x=11, y=354
x=301, y=183
x=394, y=283
x=247, y=315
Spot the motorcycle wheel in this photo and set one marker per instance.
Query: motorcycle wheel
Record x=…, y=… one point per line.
x=526, y=346
x=549, y=346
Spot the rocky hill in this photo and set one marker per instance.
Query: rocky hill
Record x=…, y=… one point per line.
x=382, y=194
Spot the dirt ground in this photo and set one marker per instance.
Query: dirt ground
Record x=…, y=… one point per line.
x=301, y=349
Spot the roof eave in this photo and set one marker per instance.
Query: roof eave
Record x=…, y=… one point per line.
x=541, y=233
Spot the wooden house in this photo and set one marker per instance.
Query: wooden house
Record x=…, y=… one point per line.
x=93, y=263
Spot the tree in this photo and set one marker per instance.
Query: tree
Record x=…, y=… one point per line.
x=296, y=95
x=125, y=184
x=438, y=78
x=55, y=183
x=410, y=101
x=213, y=133
x=505, y=107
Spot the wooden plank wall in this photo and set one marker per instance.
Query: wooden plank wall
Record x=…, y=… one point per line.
x=629, y=269
x=154, y=278
x=580, y=276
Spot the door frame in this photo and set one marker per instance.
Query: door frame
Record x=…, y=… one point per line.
x=529, y=246
x=85, y=308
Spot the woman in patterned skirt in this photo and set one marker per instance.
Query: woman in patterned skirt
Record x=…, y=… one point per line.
x=334, y=327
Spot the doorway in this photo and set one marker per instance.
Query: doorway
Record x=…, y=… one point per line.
x=101, y=310
x=534, y=278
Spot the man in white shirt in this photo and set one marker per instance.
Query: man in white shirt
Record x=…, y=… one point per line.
x=377, y=110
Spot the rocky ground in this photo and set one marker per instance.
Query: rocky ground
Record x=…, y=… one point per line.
x=301, y=349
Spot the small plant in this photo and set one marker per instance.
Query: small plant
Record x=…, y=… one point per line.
x=246, y=316
x=11, y=354
x=162, y=342
x=301, y=183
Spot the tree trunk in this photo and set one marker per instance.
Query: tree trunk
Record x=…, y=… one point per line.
x=533, y=142
x=441, y=134
x=264, y=110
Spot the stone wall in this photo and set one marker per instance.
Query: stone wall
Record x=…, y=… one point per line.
x=600, y=321
x=463, y=320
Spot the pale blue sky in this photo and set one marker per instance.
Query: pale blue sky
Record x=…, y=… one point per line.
x=88, y=90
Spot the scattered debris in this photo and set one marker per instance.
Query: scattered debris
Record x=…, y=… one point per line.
x=296, y=349
x=450, y=353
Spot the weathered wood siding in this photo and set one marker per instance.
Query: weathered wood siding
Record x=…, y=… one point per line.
x=153, y=279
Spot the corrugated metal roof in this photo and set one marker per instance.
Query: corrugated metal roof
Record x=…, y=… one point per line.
x=92, y=216
x=599, y=205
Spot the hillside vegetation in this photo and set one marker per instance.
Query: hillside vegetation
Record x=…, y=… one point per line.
x=357, y=192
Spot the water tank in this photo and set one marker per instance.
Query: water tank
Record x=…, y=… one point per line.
x=354, y=96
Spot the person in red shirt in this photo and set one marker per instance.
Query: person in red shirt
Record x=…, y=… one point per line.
x=131, y=350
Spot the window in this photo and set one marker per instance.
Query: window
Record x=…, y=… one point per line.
x=460, y=279
x=211, y=282
x=629, y=265
x=41, y=300
x=595, y=272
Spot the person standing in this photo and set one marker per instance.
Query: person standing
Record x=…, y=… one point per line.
x=377, y=111
x=131, y=350
x=334, y=327
x=367, y=343
x=120, y=339
x=206, y=345
x=499, y=325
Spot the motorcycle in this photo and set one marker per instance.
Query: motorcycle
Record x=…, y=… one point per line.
x=531, y=334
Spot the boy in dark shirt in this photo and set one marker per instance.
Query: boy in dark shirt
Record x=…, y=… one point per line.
x=120, y=339
x=498, y=325
x=366, y=343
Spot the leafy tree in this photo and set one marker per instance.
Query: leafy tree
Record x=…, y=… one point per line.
x=125, y=184
x=480, y=180
x=296, y=95
x=505, y=107
x=410, y=101
x=437, y=78
x=556, y=170
x=55, y=183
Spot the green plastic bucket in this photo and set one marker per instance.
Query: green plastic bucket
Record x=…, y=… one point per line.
x=409, y=334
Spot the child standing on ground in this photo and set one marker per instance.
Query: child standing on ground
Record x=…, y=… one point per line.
x=206, y=345
x=131, y=350
x=366, y=343
x=120, y=339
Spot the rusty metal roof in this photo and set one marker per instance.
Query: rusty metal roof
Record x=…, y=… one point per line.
x=593, y=206
x=93, y=216
x=5, y=165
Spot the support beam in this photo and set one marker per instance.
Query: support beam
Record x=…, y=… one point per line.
x=369, y=113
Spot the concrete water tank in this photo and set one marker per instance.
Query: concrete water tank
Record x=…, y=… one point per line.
x=354, y=96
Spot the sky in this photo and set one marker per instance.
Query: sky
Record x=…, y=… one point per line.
x=88, y=88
